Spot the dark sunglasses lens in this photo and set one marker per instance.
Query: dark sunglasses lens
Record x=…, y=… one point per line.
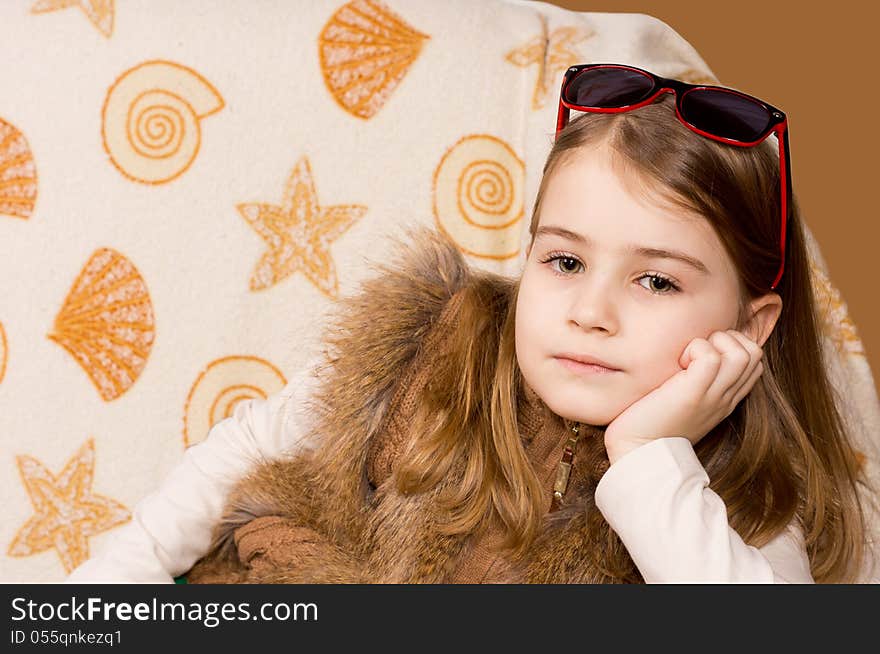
x=725, y=114
x=608, y=87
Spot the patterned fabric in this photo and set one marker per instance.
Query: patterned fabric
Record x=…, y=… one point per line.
x=187, y=189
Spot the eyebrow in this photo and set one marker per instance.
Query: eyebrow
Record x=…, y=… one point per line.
x=644, y=251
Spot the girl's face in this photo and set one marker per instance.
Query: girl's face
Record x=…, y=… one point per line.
x=631, y=284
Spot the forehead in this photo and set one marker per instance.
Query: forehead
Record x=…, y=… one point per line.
x=616, y=211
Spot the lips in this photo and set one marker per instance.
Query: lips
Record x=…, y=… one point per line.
x=595, y=361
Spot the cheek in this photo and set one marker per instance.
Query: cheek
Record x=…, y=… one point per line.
x=530, y=325
x=528, y=304
x=660, y=348
x=522, y=325
x=656, y=366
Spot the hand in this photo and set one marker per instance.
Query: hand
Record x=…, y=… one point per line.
x=717, y=373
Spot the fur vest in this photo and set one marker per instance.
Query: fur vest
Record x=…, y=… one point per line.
x=331, y=513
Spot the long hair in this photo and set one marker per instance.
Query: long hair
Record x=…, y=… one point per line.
x=783, y=454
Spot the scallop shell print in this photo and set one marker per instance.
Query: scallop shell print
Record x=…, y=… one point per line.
x=107, y=324
x=151, y=120
x=221, y=386
x=478, y=196
x=365, y=51
x=18, y=175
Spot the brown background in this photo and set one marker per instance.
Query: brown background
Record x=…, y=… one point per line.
x=815, y=61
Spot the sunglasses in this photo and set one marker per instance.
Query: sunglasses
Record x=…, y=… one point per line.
x=715, y=112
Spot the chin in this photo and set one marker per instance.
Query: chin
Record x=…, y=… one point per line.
x=590, y=411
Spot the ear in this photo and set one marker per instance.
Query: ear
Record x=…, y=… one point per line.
x=764, y=312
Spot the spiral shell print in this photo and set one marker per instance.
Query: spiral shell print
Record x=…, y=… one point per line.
x=478, y=196
x=106, y=322
x=221, y=386
x=18, y=176
x=365, y=51
x=150, y=120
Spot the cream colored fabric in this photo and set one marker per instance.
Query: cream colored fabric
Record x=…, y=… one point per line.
x=187, y=188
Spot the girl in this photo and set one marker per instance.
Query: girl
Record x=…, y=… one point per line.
x=632, y=409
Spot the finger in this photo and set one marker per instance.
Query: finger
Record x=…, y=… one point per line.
x=747, y=386
x=751, y=346
x=702, y=363
x=694, y=349
x=757, y=354
x=735, y=360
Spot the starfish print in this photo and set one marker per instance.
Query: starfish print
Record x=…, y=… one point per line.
x=66, y=512
x=553, y=55
x=298, y=233
x=100, y=12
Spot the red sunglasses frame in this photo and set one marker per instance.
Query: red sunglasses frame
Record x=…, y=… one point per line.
x=777, y=124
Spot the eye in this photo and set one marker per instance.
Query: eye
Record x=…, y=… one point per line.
x=567, y=262
x=659, y=284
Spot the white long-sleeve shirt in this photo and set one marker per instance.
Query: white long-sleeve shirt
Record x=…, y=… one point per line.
x=655, y=497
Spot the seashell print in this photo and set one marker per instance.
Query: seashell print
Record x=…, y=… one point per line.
x=99, y=12
x=67, y=512
x=478, y=196
x=298, y=233
x=365, y=50
x=861, y=460
x=151, y=120
x=552, y=53
x=3, y=350
x=695, y=76
x=106, y=323
x=222, y=385
x=18, y=175
x=832, y=310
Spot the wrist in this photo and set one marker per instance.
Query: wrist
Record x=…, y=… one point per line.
x=620, y=448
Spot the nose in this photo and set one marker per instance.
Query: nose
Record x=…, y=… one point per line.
x=593, y=306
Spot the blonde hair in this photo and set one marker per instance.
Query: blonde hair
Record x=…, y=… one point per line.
x=782, y=455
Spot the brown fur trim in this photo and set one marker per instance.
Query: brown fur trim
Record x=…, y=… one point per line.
x=370, y=341
x=318, y=508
